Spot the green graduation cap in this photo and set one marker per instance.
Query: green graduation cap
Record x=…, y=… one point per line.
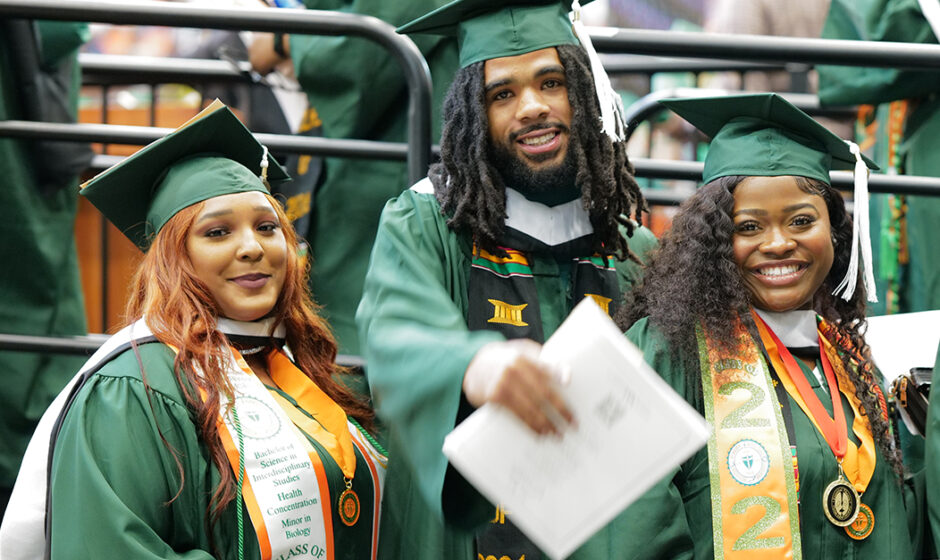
x=488, y=29
x=210, y=155
x=763, y=135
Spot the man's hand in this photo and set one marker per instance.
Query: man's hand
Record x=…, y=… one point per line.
x=509, y=373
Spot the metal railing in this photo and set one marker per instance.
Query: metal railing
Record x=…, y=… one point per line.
x=759, y=48
x=738, y=52
x=314, y=22
x=87, y=344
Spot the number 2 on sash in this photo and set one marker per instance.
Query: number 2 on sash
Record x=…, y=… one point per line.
x=736, y=418
x=750, y=540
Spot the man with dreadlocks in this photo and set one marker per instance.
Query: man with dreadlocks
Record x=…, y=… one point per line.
x=474, y=267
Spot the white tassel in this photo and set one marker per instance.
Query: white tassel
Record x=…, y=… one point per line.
x=264, y=165
x=861, y=236
x=609, y=100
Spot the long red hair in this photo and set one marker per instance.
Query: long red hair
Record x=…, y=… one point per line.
x=180, y=311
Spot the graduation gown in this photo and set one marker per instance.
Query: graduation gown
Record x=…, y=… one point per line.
x=897, y=512
x=110, y=462
x=40, y=292
x=932, y=463
x=413, y=325
x=359, y=91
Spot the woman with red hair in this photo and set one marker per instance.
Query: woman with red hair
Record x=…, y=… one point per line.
x=211, y=426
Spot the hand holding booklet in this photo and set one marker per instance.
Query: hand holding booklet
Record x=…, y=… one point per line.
x=631, y=430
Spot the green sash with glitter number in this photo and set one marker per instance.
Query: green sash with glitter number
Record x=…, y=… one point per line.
x=753, y=489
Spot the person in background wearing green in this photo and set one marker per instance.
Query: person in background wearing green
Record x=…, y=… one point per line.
x=906, y=133
x=357, y=89
x=210, y=426
x=530, y=210
x=932, y=466
x=40, y=289
x=754, y=309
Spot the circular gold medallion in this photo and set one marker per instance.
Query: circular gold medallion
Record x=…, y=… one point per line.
x=349, y=507
x=863, y=524
x=841, y=503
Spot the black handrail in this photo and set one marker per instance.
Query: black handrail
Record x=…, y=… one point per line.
x=316, y=22
x=649, y=64
x=111, y=69
x=843, y=180
x=140, y=135
x=763, y=48
x=87, y=344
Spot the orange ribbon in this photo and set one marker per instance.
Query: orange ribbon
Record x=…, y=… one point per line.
x=858, y=462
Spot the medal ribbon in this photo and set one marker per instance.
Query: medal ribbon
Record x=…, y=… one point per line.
x=858, y=463
x=330, y=429
x=753, y=489
x=833, y=429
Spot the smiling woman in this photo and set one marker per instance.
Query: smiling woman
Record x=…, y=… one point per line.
x=746, y=310
x=782, y=242
x=210, y=426
x=238, y=251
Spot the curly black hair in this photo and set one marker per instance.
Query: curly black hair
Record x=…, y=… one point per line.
x=472, y=193
x=693, y=279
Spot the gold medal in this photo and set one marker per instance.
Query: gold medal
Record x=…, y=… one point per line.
x=863, y=524
x=349, y=505
x=841, y=501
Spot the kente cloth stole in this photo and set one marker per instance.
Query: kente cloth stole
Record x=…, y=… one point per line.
x=285, y=489
x=753, y=490
x=503, y=298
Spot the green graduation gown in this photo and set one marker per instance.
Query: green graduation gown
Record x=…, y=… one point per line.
x=932, y=464
x=896, y=532
x=359, y=91
x=413, y=324
x=900, y=21
x=40, y=291
x=111, y=463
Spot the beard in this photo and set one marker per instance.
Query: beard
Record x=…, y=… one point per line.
x=518, y=174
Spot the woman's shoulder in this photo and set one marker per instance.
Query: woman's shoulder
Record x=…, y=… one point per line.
x=135, y=366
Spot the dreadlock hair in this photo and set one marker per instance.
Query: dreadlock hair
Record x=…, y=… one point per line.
x=472, y=192
x=180, y=311
x=693, y=279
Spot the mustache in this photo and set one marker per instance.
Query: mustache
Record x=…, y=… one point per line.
x=537, y=126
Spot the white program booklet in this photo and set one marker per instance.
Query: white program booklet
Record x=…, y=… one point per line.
x=632, y=429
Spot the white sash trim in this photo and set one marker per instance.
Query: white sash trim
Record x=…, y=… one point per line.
x=22, y=534
x=552, y=225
